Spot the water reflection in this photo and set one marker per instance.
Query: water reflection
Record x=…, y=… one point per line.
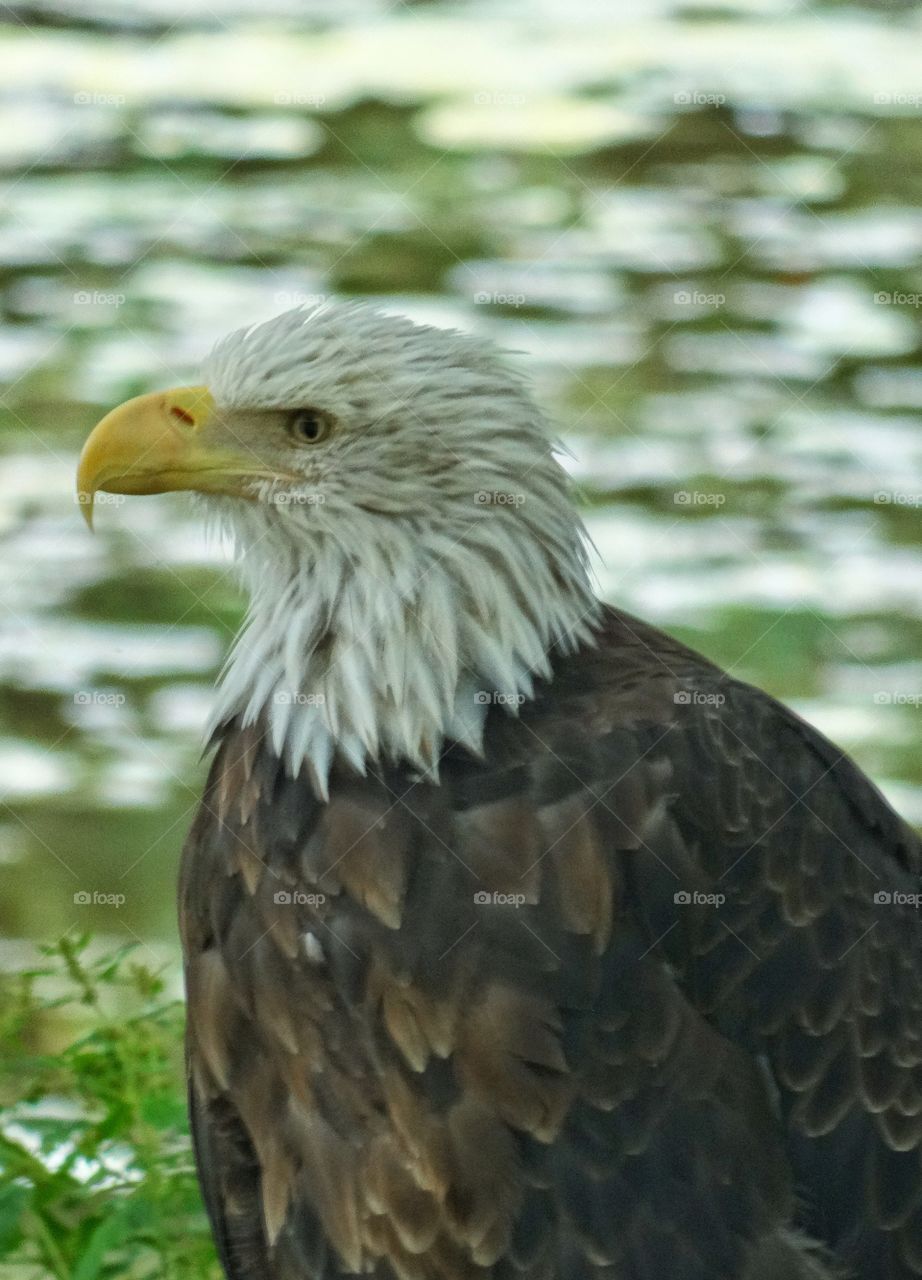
x=699, y=226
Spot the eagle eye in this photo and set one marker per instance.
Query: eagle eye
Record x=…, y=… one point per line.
x=308, y=426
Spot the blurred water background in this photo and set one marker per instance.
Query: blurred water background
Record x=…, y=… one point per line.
x=700, y=223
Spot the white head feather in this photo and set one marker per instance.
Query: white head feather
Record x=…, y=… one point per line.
x=428, y=562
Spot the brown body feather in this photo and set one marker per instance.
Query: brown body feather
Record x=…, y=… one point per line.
x=439, y=1032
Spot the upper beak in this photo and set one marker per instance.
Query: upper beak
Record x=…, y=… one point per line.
x=157, y=443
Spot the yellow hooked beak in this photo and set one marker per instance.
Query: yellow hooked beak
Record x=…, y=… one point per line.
x=158, y=443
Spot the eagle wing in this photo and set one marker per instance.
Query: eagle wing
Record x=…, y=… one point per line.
x=635, y=995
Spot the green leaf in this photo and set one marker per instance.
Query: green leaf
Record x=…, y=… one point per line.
x=14, y=1200
x=164, y=1110
x=121, y=1225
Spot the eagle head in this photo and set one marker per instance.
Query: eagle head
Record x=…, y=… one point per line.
x=401, y=523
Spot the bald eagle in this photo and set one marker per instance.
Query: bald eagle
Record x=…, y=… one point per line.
x=521, y=942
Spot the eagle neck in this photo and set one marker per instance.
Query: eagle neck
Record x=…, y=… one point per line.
x=389, y=652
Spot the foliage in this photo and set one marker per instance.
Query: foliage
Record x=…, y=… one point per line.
x=96, y=1171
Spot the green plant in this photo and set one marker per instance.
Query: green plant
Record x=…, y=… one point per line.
x=96, y=1171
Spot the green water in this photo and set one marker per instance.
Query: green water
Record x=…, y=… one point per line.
x=700, y=224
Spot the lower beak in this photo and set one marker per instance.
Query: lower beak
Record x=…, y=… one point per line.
x=158, y=443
